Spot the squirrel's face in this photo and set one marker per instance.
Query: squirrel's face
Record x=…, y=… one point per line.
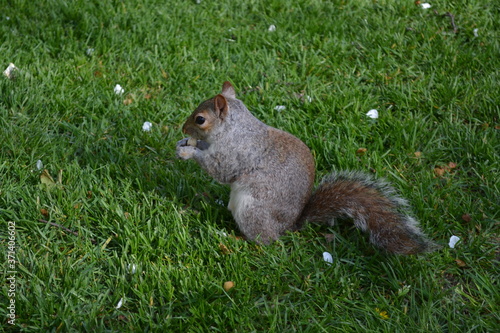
x=206, y=118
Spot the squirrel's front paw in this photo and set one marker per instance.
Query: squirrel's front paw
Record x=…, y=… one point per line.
x=185, y=152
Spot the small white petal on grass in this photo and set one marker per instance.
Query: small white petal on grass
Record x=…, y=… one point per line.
x=372, y=114
x=90, y=51
x=119, y=90
x=425, y=5
x=453, y=241
x=219, y=202
x=146, y=127
x=280, y=108
x=327, y=257
x=9, y=71
x=272, y=28
x=475, y=32
x=39, y=164
x=131, y=268
x=120, y=303
x=309, y=99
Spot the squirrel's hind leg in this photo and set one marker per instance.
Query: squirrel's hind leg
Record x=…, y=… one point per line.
x=253, y=217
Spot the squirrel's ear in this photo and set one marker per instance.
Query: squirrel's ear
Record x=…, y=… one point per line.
x=228, y=90
x=220, y=106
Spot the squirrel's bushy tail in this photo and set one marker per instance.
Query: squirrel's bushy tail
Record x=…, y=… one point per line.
x=374, y=207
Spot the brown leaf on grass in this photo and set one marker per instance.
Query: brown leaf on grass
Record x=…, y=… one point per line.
x=228, y=285
x=439, y=172
x=466, y=218
x=224, y=249
x=361, y=151
x=460, y=263
x=128, y=101
x=44, y=212
x=46, y=178
x=418, y=154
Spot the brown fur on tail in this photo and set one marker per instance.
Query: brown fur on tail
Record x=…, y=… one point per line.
x=374, y=207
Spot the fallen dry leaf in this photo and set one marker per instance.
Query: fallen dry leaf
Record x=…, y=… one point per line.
x=228, y=285
x=224, y=249
x=46, y=178
x=460, y=263
x=466, y=218
x=361, y=151
x=439, y=172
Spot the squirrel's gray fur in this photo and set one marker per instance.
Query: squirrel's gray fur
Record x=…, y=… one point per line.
x=271, y=174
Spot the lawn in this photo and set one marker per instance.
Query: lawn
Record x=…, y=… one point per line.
x=103, y=229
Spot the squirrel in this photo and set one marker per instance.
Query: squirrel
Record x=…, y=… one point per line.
x=271, y=174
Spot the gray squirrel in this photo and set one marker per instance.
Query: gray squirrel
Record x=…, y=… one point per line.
x=271, y=174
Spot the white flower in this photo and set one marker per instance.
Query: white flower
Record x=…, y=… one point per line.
x=327, y=257
x=119, y=90
x=372, y=114
x=280, y=108
x=39, y=165
x=146, y=127
x=453, y=241
x=90, y=51
x=9, y=71
x=309, y=98
x=131, y=268
x=475, y=32
x=272, y=28
x=120, y=303
x=425, y=5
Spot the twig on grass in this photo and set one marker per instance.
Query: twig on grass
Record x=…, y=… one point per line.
x=65, y=229
x=452, y=18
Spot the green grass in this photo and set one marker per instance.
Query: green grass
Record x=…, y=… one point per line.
x=132, y=203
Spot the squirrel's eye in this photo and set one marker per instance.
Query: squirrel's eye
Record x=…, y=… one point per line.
x=199, y=120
